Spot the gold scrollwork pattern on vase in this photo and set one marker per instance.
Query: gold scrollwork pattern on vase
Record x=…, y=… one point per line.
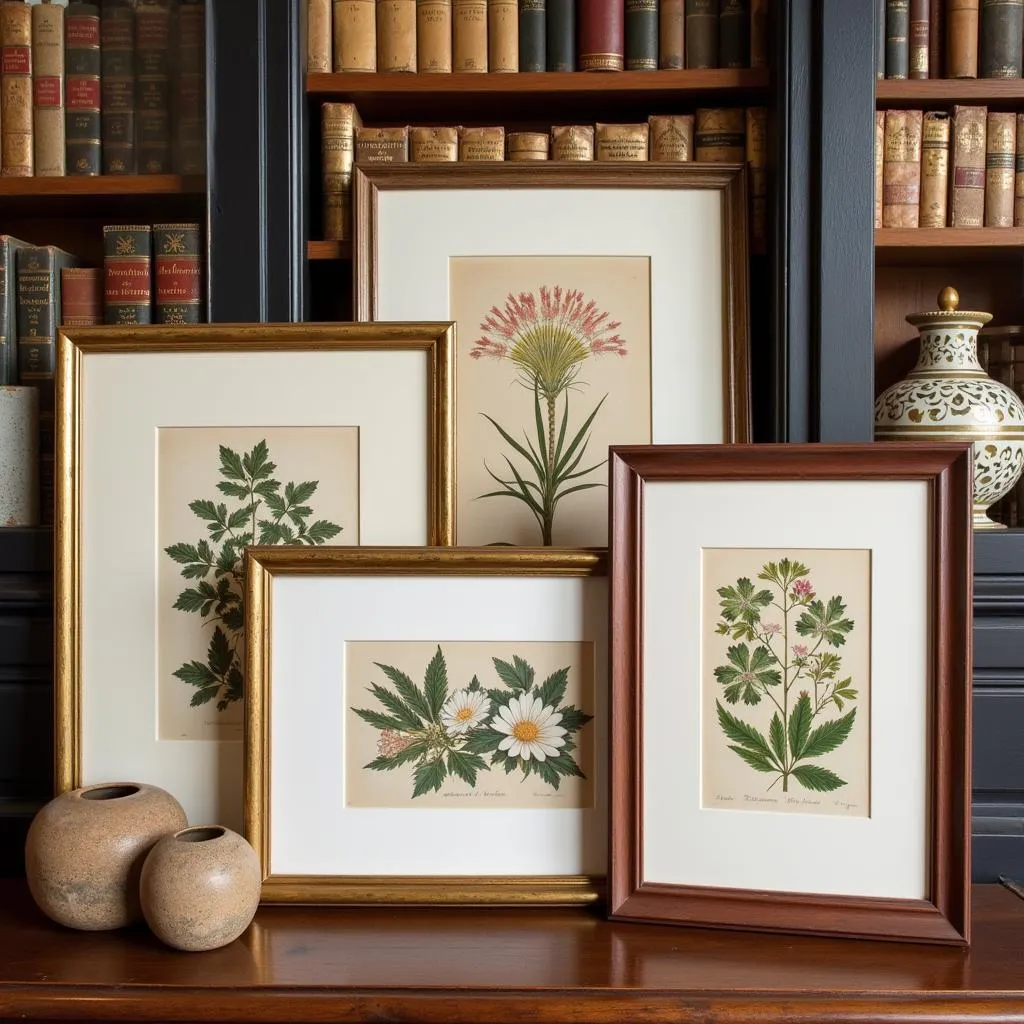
x=943, y=350
x=997, y=465
x=977, y=404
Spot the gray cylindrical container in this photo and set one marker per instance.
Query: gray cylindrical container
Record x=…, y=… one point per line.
x=19, y=456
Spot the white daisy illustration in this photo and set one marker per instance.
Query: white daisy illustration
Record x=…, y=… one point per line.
x=464, y=710
x=531, y=728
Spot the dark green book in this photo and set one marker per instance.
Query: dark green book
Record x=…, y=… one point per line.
x=897, y=38
x=1002, y=26
x=641, y=23
x=561, y=35
x=9, y=246
x=82, y=88
x=701, y=33
x=532, y=35
x=117, y=54
x=734, y=34
x=153, y=87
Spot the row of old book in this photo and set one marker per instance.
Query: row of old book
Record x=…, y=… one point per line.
x=712, y=135
x=949, y=38
x=935, y=169
x=442, y=36
x=107, y=87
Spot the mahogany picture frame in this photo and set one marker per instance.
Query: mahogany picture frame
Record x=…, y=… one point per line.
x=941, y=476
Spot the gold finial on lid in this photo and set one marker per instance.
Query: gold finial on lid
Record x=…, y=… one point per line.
x=949, y=299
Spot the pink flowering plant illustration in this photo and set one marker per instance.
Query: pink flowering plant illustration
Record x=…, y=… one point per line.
x=800, y=683
x=440, y=734
x=547, y=336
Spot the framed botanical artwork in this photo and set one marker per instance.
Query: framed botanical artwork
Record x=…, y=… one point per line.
x=427, y=725
x=176, y=448
x=791, y=676
x=595, y=304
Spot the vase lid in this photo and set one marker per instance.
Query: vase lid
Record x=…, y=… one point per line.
x=948, y=314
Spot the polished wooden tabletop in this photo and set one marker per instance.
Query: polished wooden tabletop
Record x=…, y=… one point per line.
x=487, y=965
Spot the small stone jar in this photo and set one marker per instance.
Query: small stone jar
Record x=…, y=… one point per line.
x=19, y=461
x=200, y=887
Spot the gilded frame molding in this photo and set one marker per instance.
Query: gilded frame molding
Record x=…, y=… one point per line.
x=263, y=565
x=76, y=345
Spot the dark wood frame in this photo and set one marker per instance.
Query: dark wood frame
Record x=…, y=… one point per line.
x=944, y=916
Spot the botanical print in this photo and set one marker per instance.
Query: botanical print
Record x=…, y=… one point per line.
x=554, y=364
x=221, y=489
x=785, y=675
x=454, y=723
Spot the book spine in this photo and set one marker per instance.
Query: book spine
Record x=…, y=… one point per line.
x=434, y=145
x=318, y=36
x=901, y=172
x=355, y=35
x=879, y=161
x=560, y=34
x=936, y=38
x=82, y=88
x=879, y=38
x=601, y=37
x=934, y=169
x=117, y=86
x=502, y=35
x=152, y=40
x=702, y=25
x=719, y=135
x=671, y=138
x=396, y=35
x=337, y=148
x=482, y=145
x=1000, y=146
x=16, y=148
x=434, y=36
x=469, y=35
x=48, y=90
x=641, y=25
x=757, y=168
x=622, y=143
x=917, y=49
x=81, y=296
x=177, y=274
x=759, y=34
x=671, y=35
x=188, y=95
x=382, y=145
x=572, y=143
x=1002, y=25
x=1018, y=176
x=533, y=54
x=897, y=42
x=961, y=38
x=9, y=247
x=968, y=166
x=127, y=273
x=525, y=146
x=734, y=34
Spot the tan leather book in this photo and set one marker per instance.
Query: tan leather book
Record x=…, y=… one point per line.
x=48, y=90
x=934, y=169
x=469, y=35
x=719, y=135
x=1018, y=176
x=759, y=33
x=672, y=35
x=355, y=35
x=879, y=160
x=484, y=145
x=757, y=181
x=339, y=122
x=967, y=167
x=318, y=36
x=16, y=149
x=503, y=35
x=527, y=146
x=396, y=35
x=671, y=137
x=439, y=145
x=434, y=36
x=961, y=38
x=1000, y=148
x=573, y=143
x=621, y=143
x=901, y=172
x=382, y=145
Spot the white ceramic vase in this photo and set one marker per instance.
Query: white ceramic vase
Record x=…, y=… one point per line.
x=949, y=397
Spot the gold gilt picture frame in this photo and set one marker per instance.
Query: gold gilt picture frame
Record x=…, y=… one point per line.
x=176, y=449
x=457, y=695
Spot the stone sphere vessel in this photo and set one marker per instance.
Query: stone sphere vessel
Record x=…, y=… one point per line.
x=949, y=397
x=200, y=887
x=85, y=849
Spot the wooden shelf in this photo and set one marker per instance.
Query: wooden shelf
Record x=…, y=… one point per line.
x=329, y=250
x=148, y=196
x=939, y=246
x=83, y=186
x=994, y=92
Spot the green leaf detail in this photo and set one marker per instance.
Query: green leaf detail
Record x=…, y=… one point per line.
x=573, y=719
x=195, y=673
x=816, y=778
x=826, y=622
x=518, y=675
x=748, y=673
x=465, y=765
x=552, y=690
x=548, y=773
x=429, y=777
x=800, y=725
x=410, y=721
x=482, y=741
x=829, y=735
x=755, y=759
x=743, y=602
x=230, y=464
x=435, y=685
x=407, y=690
x=743, y=734
x=404, y=756
x=380, y=721
x=777, y=738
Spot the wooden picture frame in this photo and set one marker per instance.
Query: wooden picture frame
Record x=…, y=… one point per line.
x=887, y=860
x=153, y=426
x=333, y=628
x=655, y=253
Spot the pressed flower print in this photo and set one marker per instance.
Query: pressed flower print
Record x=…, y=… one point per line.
x=470, y=723
x=553, y=365
x=785, y=677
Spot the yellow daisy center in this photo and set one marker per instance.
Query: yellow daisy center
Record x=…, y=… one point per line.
x=464, y=714
x=525, y=732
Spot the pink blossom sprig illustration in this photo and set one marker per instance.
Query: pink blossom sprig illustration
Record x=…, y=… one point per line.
x=798, y=682
x=548, y=337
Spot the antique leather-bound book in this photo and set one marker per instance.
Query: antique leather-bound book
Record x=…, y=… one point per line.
x=641, y=28
x=879, y=162
x=318, y=36
x=1018, y=178
x=734, y=34
x=434, y=145
x=188, y=87
x=719, y=135
x=434, y=36
x=897, y=38
x=757, y=170
x=671, y=35
x=967, y=166
x=961, y=38
x=1002, y=24
x=502, y=36
x=81, y=296
x=153, y=86
x=16, y=149
x=1000, y=146
x=396, y=35
x=482, y=145
x=48, y=90
x=82, y=87
x=560, y=35
x=127, y=274
x=533, y=54
x=355, y=35
x=469, y=35
x=917, y=49
x=936, y=38
x=177, y=273
x=622, y=143
x=901, y=172
x=117, y=86
x=601, y=35
x=934, y=169
x=527, y=146
x=339, y=122
x=671, y=138
x=702, y=33
x=382, y=145
x=759, y=33
x=9, y=246
x=572, y=143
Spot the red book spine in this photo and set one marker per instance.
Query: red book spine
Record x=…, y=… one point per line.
x=601, y=35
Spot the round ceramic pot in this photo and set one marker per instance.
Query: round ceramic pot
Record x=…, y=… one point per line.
x=19, y=463
x=85, y=849
x=949, y=397
x=200, y=887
